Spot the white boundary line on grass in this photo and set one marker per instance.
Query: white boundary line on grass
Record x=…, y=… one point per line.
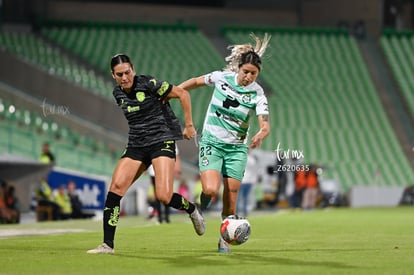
x=7, y=233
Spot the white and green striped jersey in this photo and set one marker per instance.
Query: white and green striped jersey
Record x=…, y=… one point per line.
x=231, y=107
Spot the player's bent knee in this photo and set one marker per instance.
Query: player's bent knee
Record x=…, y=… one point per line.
x=117, y=188
x=210, y=191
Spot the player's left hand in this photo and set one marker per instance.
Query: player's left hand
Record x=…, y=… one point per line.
x=189, y=132
x=256, y=142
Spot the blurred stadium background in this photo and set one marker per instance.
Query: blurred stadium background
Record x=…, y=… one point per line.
x=338, y=76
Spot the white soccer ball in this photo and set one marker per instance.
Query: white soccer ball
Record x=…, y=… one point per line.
x=235, y=230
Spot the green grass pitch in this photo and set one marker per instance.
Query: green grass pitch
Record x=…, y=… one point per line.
x=330, y=241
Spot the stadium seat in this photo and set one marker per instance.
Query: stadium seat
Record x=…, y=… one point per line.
x=44, y=213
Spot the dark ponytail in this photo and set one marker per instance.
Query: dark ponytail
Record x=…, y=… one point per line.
x=119, y=59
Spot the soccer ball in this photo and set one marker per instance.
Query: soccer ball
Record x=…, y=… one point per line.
x=235, y=230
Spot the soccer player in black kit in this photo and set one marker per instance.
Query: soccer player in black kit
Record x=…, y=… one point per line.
x=153, y=130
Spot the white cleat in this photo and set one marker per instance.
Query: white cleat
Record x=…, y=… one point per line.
x=198, y=221
x=101, y=249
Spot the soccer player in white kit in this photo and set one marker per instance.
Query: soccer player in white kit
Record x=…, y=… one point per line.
x=224, y=143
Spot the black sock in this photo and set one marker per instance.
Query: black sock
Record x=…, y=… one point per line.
x=111, y=217
x=180, y=203
x=205, y=201
x=158, y=208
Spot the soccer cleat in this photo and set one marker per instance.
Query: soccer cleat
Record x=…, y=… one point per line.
x=198, y=221
x=223, y=246
x=101, y=249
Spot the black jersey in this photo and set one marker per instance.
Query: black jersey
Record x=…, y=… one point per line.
x=150, y=121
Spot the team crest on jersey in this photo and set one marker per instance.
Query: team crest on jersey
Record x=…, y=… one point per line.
x=247, y=98
x=140, y=96
x=204, y=161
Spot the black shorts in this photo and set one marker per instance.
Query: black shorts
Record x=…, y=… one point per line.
x=146, y=154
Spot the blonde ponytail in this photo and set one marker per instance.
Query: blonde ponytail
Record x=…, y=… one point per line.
x=234, y=60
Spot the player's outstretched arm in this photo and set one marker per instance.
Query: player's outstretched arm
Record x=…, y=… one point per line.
x=193, y=83
x=185, y=100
